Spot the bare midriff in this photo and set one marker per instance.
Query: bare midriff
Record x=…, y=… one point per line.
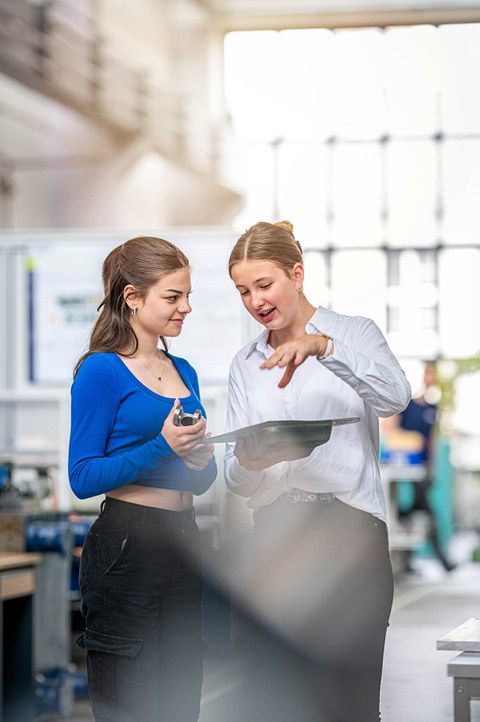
x=170, y=499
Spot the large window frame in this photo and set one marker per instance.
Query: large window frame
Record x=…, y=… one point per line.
x=396, y=187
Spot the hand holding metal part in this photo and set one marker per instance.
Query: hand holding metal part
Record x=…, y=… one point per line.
x=183, y=438
x=197, y=456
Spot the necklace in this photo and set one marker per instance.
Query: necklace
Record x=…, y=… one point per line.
x=156, y=376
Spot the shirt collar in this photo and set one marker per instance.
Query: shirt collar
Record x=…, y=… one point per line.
x=322, y=321
x=260, y=344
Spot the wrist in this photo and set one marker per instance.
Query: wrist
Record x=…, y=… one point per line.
x=328, y=349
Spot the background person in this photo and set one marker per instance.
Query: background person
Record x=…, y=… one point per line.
x=321, y=589
x=420, y=417
x=140, y=578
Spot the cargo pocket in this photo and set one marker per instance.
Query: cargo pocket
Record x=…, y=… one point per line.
x=93, y=641
x=116, y=676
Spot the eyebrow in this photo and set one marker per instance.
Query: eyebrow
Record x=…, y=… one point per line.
x=174, y=290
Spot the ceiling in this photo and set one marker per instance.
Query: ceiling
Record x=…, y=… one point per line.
x=251, y=14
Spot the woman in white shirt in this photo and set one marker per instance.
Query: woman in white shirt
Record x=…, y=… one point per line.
x=322, y=586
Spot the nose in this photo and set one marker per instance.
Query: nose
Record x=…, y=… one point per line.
x=184, y=306
x=257, y=300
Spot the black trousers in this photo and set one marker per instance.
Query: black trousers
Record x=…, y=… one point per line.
x=319, y=604
x=141, y=590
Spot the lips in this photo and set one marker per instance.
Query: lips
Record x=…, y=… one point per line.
x=267, y=315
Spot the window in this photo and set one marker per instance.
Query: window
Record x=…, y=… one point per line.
x=368, y=140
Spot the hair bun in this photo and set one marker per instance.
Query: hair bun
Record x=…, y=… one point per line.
x=286, y=225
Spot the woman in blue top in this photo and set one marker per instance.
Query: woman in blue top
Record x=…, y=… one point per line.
x=140, y=577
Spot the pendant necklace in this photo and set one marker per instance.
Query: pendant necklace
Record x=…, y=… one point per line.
x=156, y=376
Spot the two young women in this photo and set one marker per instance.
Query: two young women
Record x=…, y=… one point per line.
x=322, y=583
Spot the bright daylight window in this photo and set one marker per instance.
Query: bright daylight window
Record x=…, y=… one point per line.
x=368, y=140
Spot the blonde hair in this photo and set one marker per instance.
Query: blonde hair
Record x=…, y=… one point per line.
x=141, y=262
x=268, y=242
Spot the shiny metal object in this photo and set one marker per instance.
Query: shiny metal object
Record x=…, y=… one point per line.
x=181, y=418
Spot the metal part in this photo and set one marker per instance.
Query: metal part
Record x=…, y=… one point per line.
x=181, y=418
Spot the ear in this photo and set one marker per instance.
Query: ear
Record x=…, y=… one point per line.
x=298, y=273
x=130, y=296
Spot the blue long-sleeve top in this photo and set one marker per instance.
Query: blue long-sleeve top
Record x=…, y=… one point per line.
x=115, y=435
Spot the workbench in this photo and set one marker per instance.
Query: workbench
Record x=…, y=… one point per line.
x=17, y=587
x=465, y=669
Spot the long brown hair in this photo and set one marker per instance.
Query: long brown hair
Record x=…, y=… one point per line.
x=268, y=242
x=141, y=262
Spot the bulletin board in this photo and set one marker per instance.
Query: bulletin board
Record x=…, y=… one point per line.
x=64, y=290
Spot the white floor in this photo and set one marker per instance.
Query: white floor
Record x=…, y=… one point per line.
x=427, y=606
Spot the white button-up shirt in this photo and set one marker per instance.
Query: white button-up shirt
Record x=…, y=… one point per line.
x=361, y=378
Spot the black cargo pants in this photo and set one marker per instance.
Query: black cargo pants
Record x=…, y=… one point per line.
x=141, y=589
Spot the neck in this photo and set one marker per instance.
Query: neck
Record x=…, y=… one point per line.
x=295, y=329
x=147, y=348
x=150, y=353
